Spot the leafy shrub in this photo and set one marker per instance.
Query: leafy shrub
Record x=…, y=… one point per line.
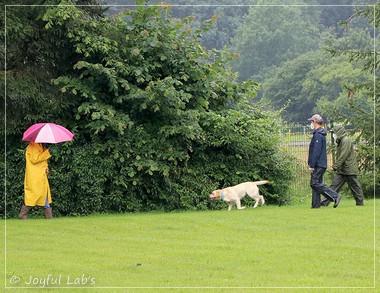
x=368, y=182
x=159, y=121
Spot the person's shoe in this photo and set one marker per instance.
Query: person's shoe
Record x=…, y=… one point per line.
x=48, y=213
x=337, y=201
x=24, y=210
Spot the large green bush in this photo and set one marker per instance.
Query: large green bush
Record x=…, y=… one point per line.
x=159, y=121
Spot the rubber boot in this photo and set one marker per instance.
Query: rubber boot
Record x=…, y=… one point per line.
x=48, y=213
x=24, y=210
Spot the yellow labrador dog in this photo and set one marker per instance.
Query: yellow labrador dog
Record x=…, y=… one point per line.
x=235, y=193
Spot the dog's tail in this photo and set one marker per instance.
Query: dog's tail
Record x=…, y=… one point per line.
x=261, y=182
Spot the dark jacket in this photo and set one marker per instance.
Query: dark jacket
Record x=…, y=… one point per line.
x=317, y=149
x=345, y=159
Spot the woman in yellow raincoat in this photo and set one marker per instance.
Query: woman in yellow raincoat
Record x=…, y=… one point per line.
x=36, y=184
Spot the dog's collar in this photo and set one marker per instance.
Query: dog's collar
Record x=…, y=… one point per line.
x=222, y=195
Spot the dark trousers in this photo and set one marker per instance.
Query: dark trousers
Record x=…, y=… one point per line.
x=353, y=183
x=318, y=188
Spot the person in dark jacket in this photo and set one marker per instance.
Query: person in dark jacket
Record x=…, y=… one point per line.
x=317, y=162
x=345, y=166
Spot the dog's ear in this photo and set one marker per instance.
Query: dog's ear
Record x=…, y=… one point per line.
x=218, y=193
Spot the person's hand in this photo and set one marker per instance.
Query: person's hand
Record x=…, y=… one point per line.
x=311, y=170
x=47, y=171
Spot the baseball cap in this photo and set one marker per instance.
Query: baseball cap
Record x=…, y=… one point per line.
x=316, y=118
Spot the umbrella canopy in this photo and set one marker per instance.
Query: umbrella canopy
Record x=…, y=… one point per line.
x=47, y=133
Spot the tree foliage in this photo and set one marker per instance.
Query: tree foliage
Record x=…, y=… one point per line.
x=233, y=27
x=227, y=16
x=271, y=35
x=358, y=105
x=300, y=84
x=159, y=120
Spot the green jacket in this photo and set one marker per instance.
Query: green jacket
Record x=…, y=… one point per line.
x=345, y=160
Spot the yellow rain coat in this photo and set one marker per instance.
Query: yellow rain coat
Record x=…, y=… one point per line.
x=36, y=184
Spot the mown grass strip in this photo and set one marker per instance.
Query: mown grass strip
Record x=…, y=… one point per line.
x=292, y=246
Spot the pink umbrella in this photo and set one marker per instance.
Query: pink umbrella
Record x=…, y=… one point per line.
x=47, y=133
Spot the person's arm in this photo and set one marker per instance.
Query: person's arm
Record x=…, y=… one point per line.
x=35, y=156
x=316, y=151
x=344, y=151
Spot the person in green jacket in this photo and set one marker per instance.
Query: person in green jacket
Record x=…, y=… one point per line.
x=345, y=166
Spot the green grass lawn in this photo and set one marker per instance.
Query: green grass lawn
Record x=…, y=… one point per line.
x=267, y=247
